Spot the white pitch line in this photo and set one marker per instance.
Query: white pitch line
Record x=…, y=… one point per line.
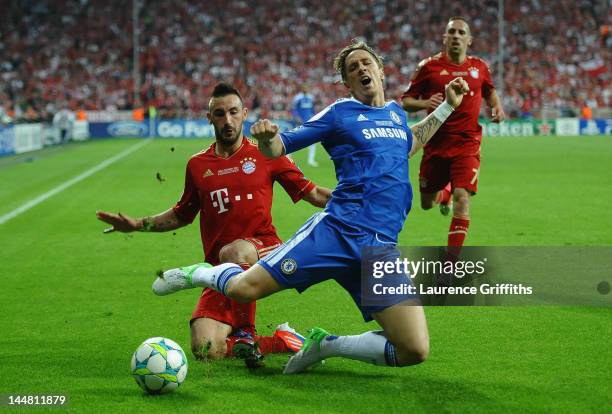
x=34, y=202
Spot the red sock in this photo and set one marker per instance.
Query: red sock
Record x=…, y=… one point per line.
x=456, y=234
x=271, y=345
x=244, y=315
x=444, y=195
x=267, y=345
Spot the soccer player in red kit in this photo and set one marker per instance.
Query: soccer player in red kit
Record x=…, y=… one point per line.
x=230, y=186
x=451, y=159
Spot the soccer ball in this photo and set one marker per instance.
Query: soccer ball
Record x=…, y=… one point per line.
x=159, y=365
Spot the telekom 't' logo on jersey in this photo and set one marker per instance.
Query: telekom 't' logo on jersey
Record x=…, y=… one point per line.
x=221, y=198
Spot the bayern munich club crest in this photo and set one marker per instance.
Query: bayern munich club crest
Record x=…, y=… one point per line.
x=395, y=117
x=288, y=266
x=248, y=165
x=474, y=73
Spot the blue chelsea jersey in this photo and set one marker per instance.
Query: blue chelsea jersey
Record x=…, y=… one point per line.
x=369, y=147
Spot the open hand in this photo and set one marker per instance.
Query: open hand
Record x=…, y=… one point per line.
x=119, y=222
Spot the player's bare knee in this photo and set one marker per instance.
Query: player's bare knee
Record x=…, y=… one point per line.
x=208, y=348
x=237, y=252
x=412, y=353
x=231, y=253
x=199, y=348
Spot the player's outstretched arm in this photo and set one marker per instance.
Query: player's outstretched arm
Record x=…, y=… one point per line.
x=268, y=140
x=319, y=196
x=425, y=129
x=165, y=221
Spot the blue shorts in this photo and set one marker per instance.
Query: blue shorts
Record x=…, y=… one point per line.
x=325, y=248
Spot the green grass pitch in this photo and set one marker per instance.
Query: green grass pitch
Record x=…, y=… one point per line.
x=76, y=303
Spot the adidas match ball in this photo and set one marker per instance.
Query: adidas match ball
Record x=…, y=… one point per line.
x=159, y=365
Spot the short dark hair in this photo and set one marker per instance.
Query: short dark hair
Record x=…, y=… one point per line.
x=465, y=20
x=356, y=45
x=224, y=89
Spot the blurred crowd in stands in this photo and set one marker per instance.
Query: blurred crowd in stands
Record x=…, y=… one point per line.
x=78, y=53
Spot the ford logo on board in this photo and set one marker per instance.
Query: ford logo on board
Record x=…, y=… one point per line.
x=127, y=129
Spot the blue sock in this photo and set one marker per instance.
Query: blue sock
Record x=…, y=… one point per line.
x=390, y=355
x=215, y=277
x=225, y=277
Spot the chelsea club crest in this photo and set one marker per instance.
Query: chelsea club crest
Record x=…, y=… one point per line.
x=288, y=266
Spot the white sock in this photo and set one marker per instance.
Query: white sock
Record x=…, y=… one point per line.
x=312, y=150
x=371, y=347
x=215, y=277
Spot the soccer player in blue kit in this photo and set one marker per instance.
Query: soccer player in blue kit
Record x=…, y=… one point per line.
x=369, y=142
x=303, y=110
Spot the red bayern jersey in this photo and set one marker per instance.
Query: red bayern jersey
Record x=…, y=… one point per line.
x=460, y=134
x=234, y=195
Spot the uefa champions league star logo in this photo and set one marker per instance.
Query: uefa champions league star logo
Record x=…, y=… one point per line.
x=288, y=266
x=395, y=117
x=248, y=165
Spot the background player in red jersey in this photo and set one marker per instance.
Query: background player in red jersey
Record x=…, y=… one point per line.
x=451, y=159
x=230, y=185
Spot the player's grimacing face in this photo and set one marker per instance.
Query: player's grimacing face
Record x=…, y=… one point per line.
x=227, y=116
x=457, y=37
x=364, y=77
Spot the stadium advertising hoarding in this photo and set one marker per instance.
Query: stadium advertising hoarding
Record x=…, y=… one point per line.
x=20, y=138
x=159, y=128
x=202, y=129
x=79, y=132
x=28, y=137
x=164, y=128
x=184, y=129
x=596, y=127
x=521, y=128
x=25, y=137
x=567, y=127
x=118, y=129
x=7, y=140
x=557, y=127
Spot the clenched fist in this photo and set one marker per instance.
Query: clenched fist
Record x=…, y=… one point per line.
x=455, y=90
x=264, y=130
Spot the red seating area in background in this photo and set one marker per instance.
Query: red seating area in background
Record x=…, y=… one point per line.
x=79, y=52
